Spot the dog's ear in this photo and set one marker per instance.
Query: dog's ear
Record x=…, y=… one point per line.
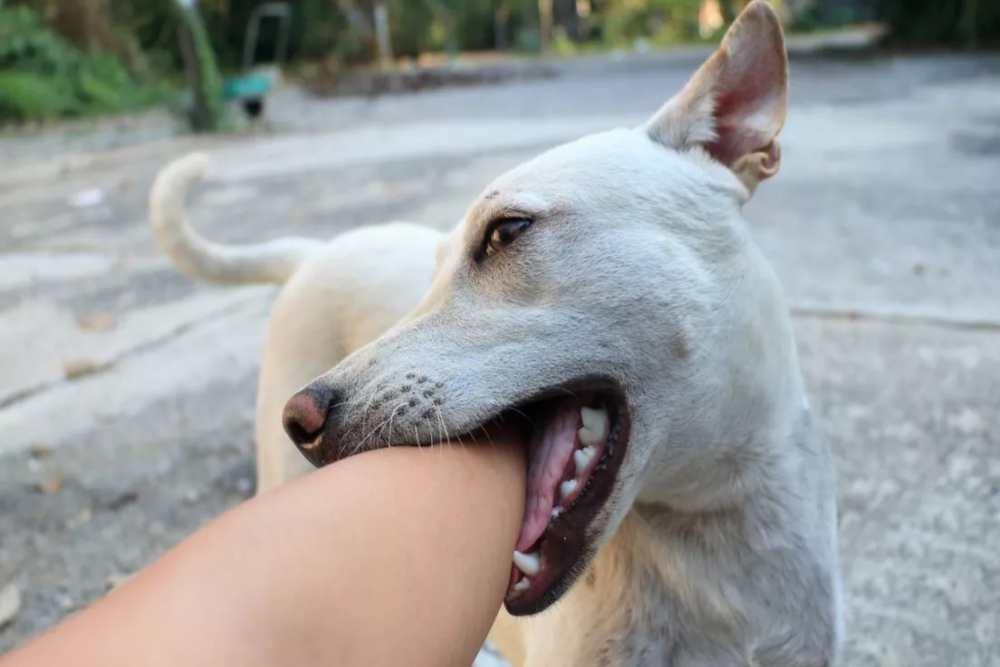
x=734, y=105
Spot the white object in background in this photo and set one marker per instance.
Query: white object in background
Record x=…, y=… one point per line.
x=87, y=198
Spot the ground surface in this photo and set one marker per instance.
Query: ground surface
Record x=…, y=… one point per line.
x=126, y=391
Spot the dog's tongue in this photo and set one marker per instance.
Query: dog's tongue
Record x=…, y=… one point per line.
x=550, y=452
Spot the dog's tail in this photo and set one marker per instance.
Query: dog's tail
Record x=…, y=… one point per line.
x=271, y=262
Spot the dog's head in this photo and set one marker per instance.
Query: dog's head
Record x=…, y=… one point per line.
x=605, y=296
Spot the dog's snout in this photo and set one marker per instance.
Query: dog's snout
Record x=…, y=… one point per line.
x=304, y=419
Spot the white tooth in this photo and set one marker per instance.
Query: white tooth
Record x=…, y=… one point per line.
x=567, y=487
x=595, y=420
x=527, y=563
x=556, y=511
x=582, y=458
x=522, y=585
x=314, y=444
x=588, y=437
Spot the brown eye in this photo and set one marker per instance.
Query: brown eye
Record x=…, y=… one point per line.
x=503, y=234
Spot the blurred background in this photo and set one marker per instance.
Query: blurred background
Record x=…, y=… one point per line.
x=127, y=391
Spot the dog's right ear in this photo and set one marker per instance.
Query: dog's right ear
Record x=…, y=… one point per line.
x=734, y=105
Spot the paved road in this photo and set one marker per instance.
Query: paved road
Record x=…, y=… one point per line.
x=126, y=391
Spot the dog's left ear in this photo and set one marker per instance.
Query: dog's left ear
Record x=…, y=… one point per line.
x=734, y=105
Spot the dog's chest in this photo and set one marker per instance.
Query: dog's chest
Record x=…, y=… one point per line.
x=618, y=617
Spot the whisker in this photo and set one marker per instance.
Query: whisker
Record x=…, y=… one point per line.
x=568, y=391
x=442, y=429
x=386, y=442
x=368, y=406
x=359, y=445
x=520, y=413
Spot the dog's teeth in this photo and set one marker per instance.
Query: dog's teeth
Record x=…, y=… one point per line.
x=522, y=585
x=567, y=487
x=314, y=444
x=582, y=458
x=595, y=425
x=556, y=511
x=527, y=563
x=595, y=419
x=588, y=437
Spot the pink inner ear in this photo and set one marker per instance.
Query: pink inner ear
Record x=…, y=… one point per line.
x=734, y=105
x=749, y=101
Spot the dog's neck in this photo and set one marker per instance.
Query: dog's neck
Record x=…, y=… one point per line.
x=724, y=413
x=755, y=580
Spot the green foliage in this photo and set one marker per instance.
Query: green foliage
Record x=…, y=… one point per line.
x=42, y=76
x=153, y=24
x=63, y=66
x=623, y=22
x=26, y=43
x=967, y=23
x=28, y=96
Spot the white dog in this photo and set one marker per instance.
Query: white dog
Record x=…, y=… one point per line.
x=609, y=296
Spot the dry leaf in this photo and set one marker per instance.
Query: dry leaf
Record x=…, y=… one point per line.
x=77, y=368
x=97, y=322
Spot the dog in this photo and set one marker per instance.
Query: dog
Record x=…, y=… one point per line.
x=607, y=297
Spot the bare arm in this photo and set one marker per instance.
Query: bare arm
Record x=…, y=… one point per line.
x=393, y=557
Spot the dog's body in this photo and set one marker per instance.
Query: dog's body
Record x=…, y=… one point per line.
x=346, y=295
x=706, y=534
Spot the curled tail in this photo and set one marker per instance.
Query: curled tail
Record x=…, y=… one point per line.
x=271, y=262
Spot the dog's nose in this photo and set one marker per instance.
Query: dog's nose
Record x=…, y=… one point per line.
x=305, y=418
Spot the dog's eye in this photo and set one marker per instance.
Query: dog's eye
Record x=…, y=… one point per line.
x=503, y=233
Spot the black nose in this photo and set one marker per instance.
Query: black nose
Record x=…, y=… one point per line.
x=304, y=419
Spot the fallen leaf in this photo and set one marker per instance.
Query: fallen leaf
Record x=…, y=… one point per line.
x=78, y=368
x=97, y=322
x=51, y=484
x=39, y=450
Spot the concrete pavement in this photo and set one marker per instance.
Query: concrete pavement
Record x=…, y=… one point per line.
x=126, y=391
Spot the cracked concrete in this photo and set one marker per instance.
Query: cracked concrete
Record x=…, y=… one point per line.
x=884, y=225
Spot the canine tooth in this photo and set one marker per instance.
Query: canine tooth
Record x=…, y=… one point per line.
x=582, y=458
x=314, y=444
x=567, y=487
x=527, y=563
x=595, y=420
x=522, y=585
x=556, y=511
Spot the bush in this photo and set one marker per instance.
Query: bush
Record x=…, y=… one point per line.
x=26, y=96
x=42, y=76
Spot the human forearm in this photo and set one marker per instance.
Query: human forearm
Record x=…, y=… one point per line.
x=394, y=557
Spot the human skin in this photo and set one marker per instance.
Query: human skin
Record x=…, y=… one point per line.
x=399, y=556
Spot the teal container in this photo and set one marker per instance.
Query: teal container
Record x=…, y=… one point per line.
x=246, y=87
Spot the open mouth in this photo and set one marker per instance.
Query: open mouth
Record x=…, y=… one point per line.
x=577, y=435
x=576, y=446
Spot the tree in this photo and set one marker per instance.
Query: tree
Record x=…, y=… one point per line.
x=90, y=26
x=545, y=23
x=369, y=20
x=200, y=67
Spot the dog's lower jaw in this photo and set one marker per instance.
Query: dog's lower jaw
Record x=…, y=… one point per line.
x=725, y=588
